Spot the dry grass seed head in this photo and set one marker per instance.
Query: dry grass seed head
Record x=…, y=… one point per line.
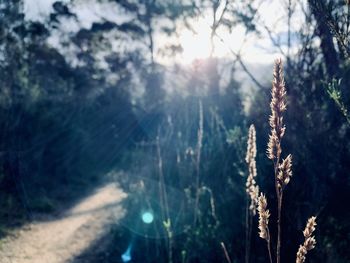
x=264, y=215
x=285, y=172
x=251, y=145
x=251, y=188
x=278, y=106
x=309, y=242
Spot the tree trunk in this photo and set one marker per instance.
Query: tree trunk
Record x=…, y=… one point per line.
x=320, y=12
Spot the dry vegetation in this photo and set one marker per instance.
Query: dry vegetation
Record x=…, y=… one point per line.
x=282, y=174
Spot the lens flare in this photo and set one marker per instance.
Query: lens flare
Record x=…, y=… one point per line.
x=147, y=217
x=126, y=257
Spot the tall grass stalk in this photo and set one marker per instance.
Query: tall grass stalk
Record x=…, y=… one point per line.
x=264, y=215
x=198, y=160
x=164, y=202
x=282, y=170
x=225, y=252
x=309, y=242
x=252, y=189
x=274, y=149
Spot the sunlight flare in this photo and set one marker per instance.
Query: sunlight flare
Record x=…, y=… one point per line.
x=147, y=217
x=196, y=45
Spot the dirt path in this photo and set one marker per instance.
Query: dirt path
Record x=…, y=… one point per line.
x=61, y=239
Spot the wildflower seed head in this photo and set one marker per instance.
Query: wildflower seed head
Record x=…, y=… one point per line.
x=278, y=106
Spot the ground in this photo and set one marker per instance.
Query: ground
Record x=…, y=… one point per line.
x=61, y=238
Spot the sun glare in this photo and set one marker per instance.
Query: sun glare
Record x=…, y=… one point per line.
x=196, y=45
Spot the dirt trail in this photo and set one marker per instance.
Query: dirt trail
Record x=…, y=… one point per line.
x=61, y=239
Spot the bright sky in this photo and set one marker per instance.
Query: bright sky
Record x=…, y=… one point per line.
x=272, y=13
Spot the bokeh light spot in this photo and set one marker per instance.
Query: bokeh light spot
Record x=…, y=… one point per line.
x=147, y=217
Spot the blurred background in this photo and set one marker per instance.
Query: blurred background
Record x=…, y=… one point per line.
x=157, y=96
